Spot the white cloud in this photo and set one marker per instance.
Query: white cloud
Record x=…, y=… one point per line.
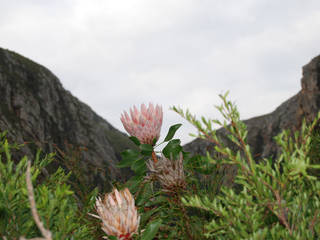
x=115, y=53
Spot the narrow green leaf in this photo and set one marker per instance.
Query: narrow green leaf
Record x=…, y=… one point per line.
x=157, y=201
x=133, y=183
x=139, y=166
x=146, y=215
x=112, y=238
x=146, y=149
x=128, y=157
x=154, y=141
x=193, y=135
x=173, y=147
x=145, y=194
x=135, y=140
x=151, y=230
x=172, y=131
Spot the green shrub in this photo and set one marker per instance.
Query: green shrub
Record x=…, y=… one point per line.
x=279, y=198
x=55, y=201
x=274, y=199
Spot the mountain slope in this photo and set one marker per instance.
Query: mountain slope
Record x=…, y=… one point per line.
x=289, y=115
x=35, y=108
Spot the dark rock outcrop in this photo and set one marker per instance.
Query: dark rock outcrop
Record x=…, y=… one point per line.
x=35, y=108
x=289, y=115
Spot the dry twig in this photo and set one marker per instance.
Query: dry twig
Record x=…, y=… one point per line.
x=45, y=233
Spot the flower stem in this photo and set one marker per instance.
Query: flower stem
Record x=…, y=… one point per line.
x=154, y=157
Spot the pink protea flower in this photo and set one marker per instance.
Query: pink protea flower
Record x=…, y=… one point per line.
x=118, y=214
x=144, y=124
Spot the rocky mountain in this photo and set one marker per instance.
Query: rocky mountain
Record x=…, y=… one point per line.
x=38, y=111
x=289, y=115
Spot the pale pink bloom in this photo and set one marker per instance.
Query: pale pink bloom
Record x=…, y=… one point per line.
x=169, y=172
x=144, y=124
x=118, y=214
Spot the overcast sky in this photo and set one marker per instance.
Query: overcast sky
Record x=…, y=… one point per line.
x=112, y=54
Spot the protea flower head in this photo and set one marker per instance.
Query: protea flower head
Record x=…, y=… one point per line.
x=144, y=124
x=118, y=214
x=169, y=172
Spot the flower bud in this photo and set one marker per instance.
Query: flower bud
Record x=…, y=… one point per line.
x=144, y=124
x=169, y=172
x=118, y=214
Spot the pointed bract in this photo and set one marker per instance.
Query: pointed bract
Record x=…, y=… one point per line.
x=118, y=214
x=169, y=172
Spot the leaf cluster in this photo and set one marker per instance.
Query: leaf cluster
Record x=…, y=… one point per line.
x=279, y=199
x=55, y=201
x=158, y=208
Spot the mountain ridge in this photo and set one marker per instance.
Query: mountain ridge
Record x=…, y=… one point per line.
x=287, y=116
x=35, y=108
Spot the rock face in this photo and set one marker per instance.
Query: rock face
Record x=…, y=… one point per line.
x=289, y=115
x=35, y=108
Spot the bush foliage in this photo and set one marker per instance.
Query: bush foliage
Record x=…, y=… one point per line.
x=56, y=204
x=274, y=199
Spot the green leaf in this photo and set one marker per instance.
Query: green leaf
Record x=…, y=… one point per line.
x=145, y=194
x=159, y=200
x=139, y=166
x=173, y=148
x=112, y=238
x=154, y=141
x=172, y=131
x=151, y=230
x=128, y=157
x=146, y=149
x=133, y=183
x=135, y=140
x=147, y=215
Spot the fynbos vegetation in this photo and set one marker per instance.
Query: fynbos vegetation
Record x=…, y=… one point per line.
x=172, y=194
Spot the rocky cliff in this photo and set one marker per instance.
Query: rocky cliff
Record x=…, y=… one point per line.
x=289, y=115
x=37, y=110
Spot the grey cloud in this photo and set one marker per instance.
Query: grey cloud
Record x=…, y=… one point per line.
x=112, y=54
